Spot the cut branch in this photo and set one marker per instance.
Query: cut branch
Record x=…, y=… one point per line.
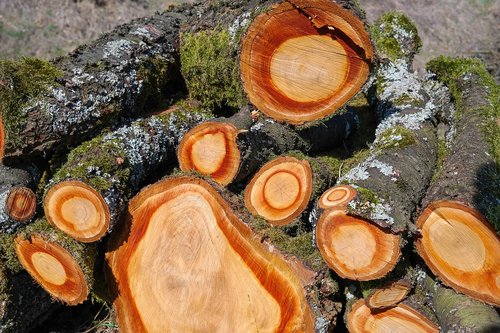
x=303, y=60
x=88, y=194
x=280, y=191
x=209, y=256
x=398, y=319
x=460, y=247
x=62, y=266
x=389, y=295
x=354, y=248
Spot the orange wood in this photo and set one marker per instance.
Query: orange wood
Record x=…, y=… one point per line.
x=389, y=295
x=461, y=248
x=185, y=217
x=211, y=149
x=54, y=268
x=339, y=195
x=78, y=210
x=270, y=32
x=280, y=190
x=354, y=248
x=21, y=204
x=401, y=318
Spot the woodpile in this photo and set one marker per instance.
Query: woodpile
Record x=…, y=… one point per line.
x=242, y=166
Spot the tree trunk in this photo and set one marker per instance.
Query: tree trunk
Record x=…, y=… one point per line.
x=58, y=263
x=229, y=263
x=88, y=194
x=17, y=199
x=468, y=249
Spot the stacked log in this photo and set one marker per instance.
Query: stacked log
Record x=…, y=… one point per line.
x=262, y=228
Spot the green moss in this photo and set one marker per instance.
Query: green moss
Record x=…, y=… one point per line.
x=395, y=36
x=396, y=137
x=155, y=75
x=94, y=158
x=448, y=70
x=407, y=100
x=8, y=253
x=442, y=152
x=210, y=68
x=299, y=245
x=366, y=195
x=22, y=82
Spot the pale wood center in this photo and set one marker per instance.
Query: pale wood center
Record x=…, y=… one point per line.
x=456, y=243
x=49, y=268
x=337, y=195
x=393, y=324
x=208, y=152
x=309, y=68
x=354, y=245
x=81, y=212
x=281, y=190
x=184, y=275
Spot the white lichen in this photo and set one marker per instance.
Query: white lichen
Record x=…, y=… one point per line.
x=117, y=48
x=241, y=22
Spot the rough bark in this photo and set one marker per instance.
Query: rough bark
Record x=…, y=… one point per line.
x=17, y=200
x=23, y=304
x=100, y=175
x=131, y=262
x=58, y=263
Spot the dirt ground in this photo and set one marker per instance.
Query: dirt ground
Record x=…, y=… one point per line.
x=48, y=28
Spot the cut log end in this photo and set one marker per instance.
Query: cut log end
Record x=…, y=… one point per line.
x=339, y=195
x=53, y=268
x=355, y=248
x=21, y=204
x=280, y=191
x=398, y=319
x=211, y=149
x=302, y=62
x=461, y=248
x=389, y=295
x=207, y=274
x=78, y=210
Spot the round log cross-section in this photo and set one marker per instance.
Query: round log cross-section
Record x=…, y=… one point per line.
x=210, y=148
x=190, y=265
x=54, y=268
x=339, y=195
x=78, y=210
x=21, y=204
x=398, y=319
x=461, y=248
x=303, y=60
x=355, y=248
x=281, y=190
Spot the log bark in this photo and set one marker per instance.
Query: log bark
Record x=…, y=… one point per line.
x=302, y=60
x=118, y=76
x=23, y=304
x=232, y=149
x=225, y=255
x=401, y=318
x=17, y=199
x=58, y=263
x=462, y=189
x=87, y=196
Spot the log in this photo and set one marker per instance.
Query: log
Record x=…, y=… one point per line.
x=302, y=60
x=23, y=304
x=58, y=263
x=458, y=242
x=459, y=313
x=212, y=248
x=120, y=75
x=389, y=295
x=87, y=196
x=232, y=149
x=17, y=199
x=354, y=248
x=392, y=178
x=401, y=318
